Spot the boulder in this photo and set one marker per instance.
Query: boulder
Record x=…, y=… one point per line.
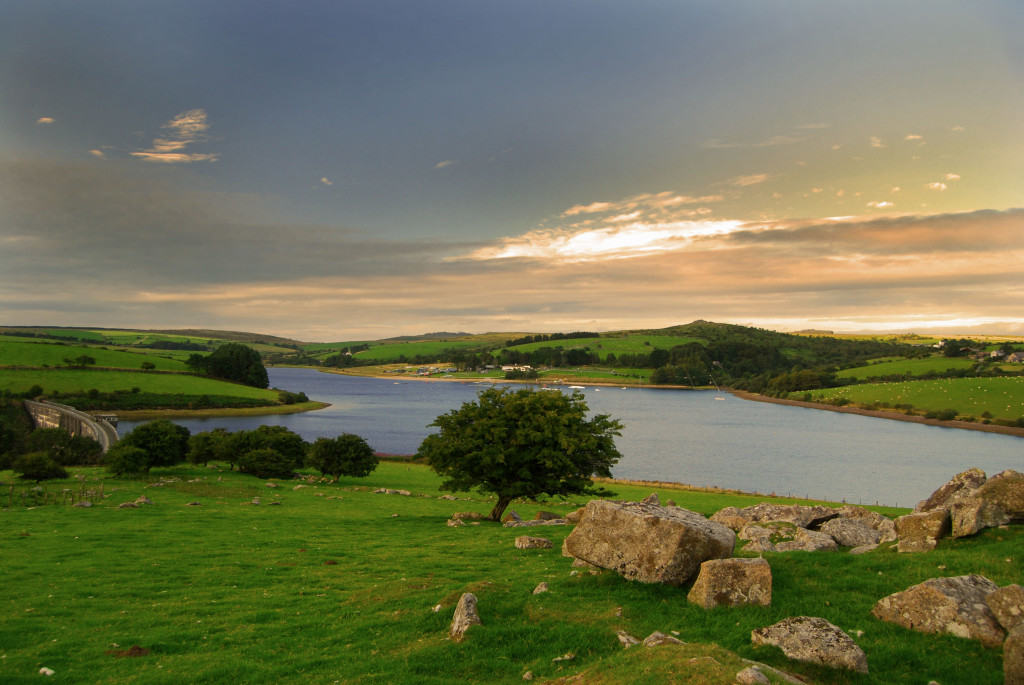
x=732, y=582
x=807, y=541
x=863, y=549
x=511, y=516
x=541, y=588
x=626, y=639
x=752, y=676
x=850, y=532
x=528, y=542
x=953, y=605
x=921, y=532
x=127, y=505
x=1006, y=490
x=647, y=542
x=574, y=517
x=465, y=616
x=546, y=516
x=885, y=526
x=801, y=515
x=960, y=484
x=467, y=516
x=731, y=518
x=652, y=499
x=1013, y=657
x=764, y=536
x=972, y=514
x=455, y=523
x=1007, y=605
x=813, y=640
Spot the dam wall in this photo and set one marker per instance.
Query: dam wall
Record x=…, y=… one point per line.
x=53, y=415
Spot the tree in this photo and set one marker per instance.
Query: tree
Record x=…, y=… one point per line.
x=166, y=443
x=236, y=362
x=38, y=466
x=266, y=462
x=345, y=455
x=522, y=443
x=127, y=460
x=206, y=446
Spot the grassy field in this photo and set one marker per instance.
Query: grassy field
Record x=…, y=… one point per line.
x=1003, y=398
x=67, y=381
x=617, y=345
x=14, y=353
x=338, y=584
x=912, y=367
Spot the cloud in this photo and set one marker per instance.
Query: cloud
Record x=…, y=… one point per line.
x=326, y=181
x=45, y=120
x=752, y=179
x=958, y=128
x=913, y=136
x=880, y=204
x=97, y=153
x=952, y=177
x=937, y=185
x=876, y=142
x=588, y=209
x=895, y=189
x=445, y=163
x=184, y=129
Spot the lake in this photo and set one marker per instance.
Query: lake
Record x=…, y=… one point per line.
x=675, y=435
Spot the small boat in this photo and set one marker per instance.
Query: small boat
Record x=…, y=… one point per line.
x=719, y=397
x=577, y=387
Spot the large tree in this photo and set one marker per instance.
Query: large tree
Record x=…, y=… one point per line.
x=522, y=443
x=345, y=455
x=233, y=362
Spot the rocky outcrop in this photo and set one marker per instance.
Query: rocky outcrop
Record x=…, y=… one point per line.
x=972, y=514
x=647, y=542
x=813, y=640
x=921, y=532
x=658, y=638
x=960, y=484
x=885, y=526
x=465, y=617
x=808, y=541
x=732, y=582
x=945, y=605
x=1007, y=605
x=1006, y=490
x=798, y=514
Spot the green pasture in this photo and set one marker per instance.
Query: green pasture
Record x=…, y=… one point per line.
x=16, y=353
x=906, y=367
x=387, y=352
x=617, y=345
x=65, y=381
x=1003, y=398
x=335, y=584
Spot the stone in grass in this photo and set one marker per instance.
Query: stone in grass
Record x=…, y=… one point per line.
x=465, y=617
x=851, y=533
x=813, y=640
x=528, y=542
x=127, y=505
x=953, y=605
x=541, y=588
x=658, y=638
x=971, y=515
x=732, y=582
x=752, y=676
x=1007, y=604
x=1013, y=657
x=921, y=532
x=808, y=541
x=626, y=639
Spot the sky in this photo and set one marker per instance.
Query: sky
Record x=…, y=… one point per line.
x=348, y=170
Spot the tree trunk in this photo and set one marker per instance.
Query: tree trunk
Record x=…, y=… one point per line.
x=499, y=508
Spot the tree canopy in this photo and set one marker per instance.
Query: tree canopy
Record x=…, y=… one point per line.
x=232, y=362
x=522, y=443
x=345, y=455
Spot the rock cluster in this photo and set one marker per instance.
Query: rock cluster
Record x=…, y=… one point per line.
x=813, y=640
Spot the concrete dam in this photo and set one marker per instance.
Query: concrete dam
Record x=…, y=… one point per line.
x=75, y=422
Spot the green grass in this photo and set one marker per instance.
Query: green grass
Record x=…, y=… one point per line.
x=421, y=348
x=911, y=367
x=618, y=345
x=14, y=353
x=230, y=591
x=1001, y=397
x=67, y=381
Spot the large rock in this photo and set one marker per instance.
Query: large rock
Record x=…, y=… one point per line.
x=529, y=542
x=764, y=536
x=801, y=515
x=851, y=532
x=1013, y=657
x=732, y=582
x=465, y=616
x=813, y=640
x=921, y=532
x=945, y=605
x=1007, y=605
x=647, y=542
x=731, y=518
x=885, y=526
x=972, y=514
x=1006, y=490
x=959, y=485
x=808, y=541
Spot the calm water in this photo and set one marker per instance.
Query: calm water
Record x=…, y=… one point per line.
x=677, y=435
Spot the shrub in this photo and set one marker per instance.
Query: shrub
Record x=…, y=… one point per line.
x=266, y=462
x=38, y=466
x=345, y=455
x=127, y=460
x=166, y=443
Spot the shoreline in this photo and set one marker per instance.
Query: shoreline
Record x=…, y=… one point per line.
x=153, y=414
x=879, y=414
x=741, y=394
